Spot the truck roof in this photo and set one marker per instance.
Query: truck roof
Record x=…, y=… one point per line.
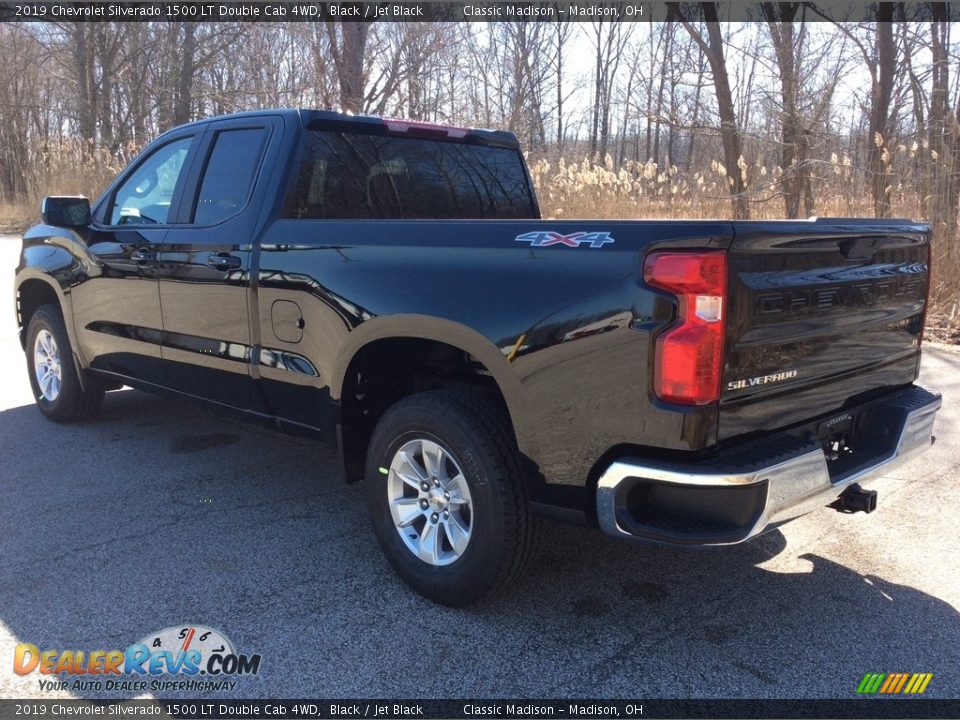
x=328, y=119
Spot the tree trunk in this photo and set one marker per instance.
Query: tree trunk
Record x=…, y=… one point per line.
x=560, y=44
x=183, y=95
x=794, y=180
x=695, y=117
x=348, y=58
x=597, y=84
x=81, y=35
x=712, y=47
x=881, y=93
x=942, y=208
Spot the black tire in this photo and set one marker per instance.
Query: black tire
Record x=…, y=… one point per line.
x=72, y=403
x=475, y=435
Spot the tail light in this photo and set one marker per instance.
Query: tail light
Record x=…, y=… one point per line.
x=926, y=301
x=689, y=355
x=415, y=128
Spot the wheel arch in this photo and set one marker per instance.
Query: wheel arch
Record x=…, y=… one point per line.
x=33, y=290
x=451, y=352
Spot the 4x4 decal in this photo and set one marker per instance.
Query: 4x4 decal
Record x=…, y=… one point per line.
x=546, y=238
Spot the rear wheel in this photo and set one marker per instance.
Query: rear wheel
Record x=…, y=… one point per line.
x=446, y=497
x=54, y=375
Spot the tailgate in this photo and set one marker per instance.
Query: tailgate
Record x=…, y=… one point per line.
x=821, y=315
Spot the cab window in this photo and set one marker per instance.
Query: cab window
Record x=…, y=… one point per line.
x=145, y=196
x=229, y=175
x=347, y=175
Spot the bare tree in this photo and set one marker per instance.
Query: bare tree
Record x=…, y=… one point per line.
x=880, y=59
x=787, y=37
x=882, y=75
x=713, y=48
x=560, y=33
x=20, y=56
x=944, y=132
x=609, y=38
x=348, y=41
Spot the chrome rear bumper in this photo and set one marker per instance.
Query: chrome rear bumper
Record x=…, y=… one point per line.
x=743, y=492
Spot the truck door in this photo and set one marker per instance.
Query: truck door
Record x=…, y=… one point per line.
x=203, y=263
x=117, y=307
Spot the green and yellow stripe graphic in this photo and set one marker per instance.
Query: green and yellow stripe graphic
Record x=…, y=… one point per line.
x=894, y=683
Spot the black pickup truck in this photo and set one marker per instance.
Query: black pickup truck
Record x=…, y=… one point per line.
x=390, y=285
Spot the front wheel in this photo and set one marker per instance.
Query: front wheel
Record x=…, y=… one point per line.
x=54, y=376
x=446, y=496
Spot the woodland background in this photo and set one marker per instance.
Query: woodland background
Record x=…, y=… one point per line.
x=791, y=114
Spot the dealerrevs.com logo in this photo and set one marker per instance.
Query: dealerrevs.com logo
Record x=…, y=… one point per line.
x=173, y=659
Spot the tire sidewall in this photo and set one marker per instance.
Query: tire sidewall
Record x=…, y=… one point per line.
x=41, y=320
x=478, y=564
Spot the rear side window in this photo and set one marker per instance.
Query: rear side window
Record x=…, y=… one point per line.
x=358, y=176
x=229, y=175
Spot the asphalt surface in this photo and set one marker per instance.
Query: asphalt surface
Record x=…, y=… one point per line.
x=159, y=514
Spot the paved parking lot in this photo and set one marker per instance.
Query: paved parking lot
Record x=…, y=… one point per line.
x=159, y=514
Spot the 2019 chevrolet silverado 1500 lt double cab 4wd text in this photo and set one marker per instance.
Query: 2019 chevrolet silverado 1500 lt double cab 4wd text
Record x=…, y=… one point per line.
x=390, y=284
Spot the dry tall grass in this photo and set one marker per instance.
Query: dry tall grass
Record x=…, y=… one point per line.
x=591, y=188
x=63, y=167
x=598, y=188
x=595, y=188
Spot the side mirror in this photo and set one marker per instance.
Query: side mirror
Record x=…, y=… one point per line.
x=65, y=210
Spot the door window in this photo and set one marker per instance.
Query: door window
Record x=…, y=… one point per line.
x=229, y=175
x=145, y=196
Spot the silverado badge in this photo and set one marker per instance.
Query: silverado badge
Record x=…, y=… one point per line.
x=762, y=380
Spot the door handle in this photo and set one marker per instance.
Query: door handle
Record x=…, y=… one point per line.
x=223, y=261
x=143, y=256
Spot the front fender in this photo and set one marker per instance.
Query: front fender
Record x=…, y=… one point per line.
x=49, y=255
